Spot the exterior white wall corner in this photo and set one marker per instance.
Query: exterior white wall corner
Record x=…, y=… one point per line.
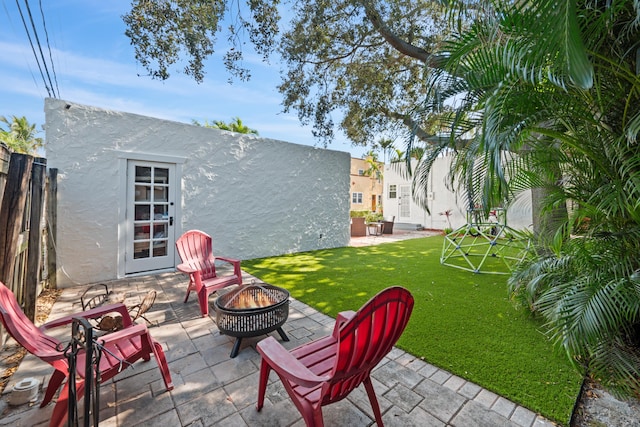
x=256, y=197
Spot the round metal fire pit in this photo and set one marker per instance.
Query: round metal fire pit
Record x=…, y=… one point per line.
x=252, y=310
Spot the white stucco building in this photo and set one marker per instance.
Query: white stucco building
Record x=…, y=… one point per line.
x=398, y=200
x=130, y=185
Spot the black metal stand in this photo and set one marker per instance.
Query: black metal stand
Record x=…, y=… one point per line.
x=82, y=339
x=236, y=345
x=282, y=334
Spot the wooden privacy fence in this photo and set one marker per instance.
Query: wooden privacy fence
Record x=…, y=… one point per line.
x=27, y=250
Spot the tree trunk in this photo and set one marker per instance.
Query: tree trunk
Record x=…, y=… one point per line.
x=547, y=222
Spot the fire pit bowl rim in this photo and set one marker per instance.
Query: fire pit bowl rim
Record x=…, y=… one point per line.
x=284, y=298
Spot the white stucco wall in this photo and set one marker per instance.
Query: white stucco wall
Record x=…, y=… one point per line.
x=256, y=197
x=518, y=214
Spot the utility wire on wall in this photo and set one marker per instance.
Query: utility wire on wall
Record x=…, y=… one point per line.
x=40, y=59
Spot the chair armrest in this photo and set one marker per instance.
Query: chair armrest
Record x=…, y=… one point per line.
x=229, y=260
x=92, y=314
x=119, y=335
x=236, y=266
x=342, y=318
x=283, y=362
x=186, y=268
x=345, y=316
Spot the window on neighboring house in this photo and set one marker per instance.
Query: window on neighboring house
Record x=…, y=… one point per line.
x=361, y=172
x=393, y=191
x=356, y=198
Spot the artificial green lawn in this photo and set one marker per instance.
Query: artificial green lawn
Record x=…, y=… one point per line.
x=462, y=322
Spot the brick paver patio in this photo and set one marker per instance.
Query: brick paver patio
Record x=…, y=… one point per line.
x=213, y=389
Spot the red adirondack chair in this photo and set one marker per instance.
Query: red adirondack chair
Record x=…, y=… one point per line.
x=198, y=261
x=326, y=370
x=130, y=344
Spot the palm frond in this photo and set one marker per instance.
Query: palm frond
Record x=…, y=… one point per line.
x=557, y=41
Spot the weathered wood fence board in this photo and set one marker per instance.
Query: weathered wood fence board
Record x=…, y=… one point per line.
x=5, y=155
x=34, y=254
x=51, y=226
x=14, y=202
x=22, y=203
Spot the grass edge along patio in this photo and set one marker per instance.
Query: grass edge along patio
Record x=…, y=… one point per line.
x=462, y=322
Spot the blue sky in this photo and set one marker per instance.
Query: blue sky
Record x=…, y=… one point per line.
x=95, y=65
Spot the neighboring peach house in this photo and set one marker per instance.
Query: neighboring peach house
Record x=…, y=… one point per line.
x=366, y=186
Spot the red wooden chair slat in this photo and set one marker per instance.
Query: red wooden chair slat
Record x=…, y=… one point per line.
x=326, y=370
x=195, y=250
x=130, y=344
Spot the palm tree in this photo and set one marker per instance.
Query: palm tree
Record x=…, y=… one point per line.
x=550, y=94
x=397, y=156
x=235, y=125
x=386, y=145
x=374, y=170
x=20, y=135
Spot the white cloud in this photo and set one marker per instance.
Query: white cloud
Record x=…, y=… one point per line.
x=110, y=82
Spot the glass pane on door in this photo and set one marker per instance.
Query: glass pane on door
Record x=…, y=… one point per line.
x=405, y=201
x=150, y=237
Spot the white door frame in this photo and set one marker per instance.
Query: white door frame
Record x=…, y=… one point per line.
x=123, y=160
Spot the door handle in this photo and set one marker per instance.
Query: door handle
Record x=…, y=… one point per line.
x=170, y=221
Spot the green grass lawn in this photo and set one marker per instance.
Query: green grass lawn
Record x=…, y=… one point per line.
x=462, y=322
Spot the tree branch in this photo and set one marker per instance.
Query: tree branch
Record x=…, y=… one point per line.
x=430, y=59
x=419, y=132
x=356, y=47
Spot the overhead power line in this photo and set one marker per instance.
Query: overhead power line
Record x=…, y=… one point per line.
x=40, y=59
x=46, y=33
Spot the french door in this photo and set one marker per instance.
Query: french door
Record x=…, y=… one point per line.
x=405, y=203
x=150, y=238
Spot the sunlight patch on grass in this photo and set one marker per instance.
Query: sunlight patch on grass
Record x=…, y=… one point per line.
x=462, y=322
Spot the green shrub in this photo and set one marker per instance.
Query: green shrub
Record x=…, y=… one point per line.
x=358, y=214
x=374, y=217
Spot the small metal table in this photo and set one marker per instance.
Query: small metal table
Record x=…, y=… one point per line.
x=374, y=228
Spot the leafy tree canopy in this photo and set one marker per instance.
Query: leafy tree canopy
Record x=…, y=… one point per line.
x=19, y=135
x=364, y=59
x=163, y=32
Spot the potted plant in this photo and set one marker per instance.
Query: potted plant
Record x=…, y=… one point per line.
x=374, y=217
